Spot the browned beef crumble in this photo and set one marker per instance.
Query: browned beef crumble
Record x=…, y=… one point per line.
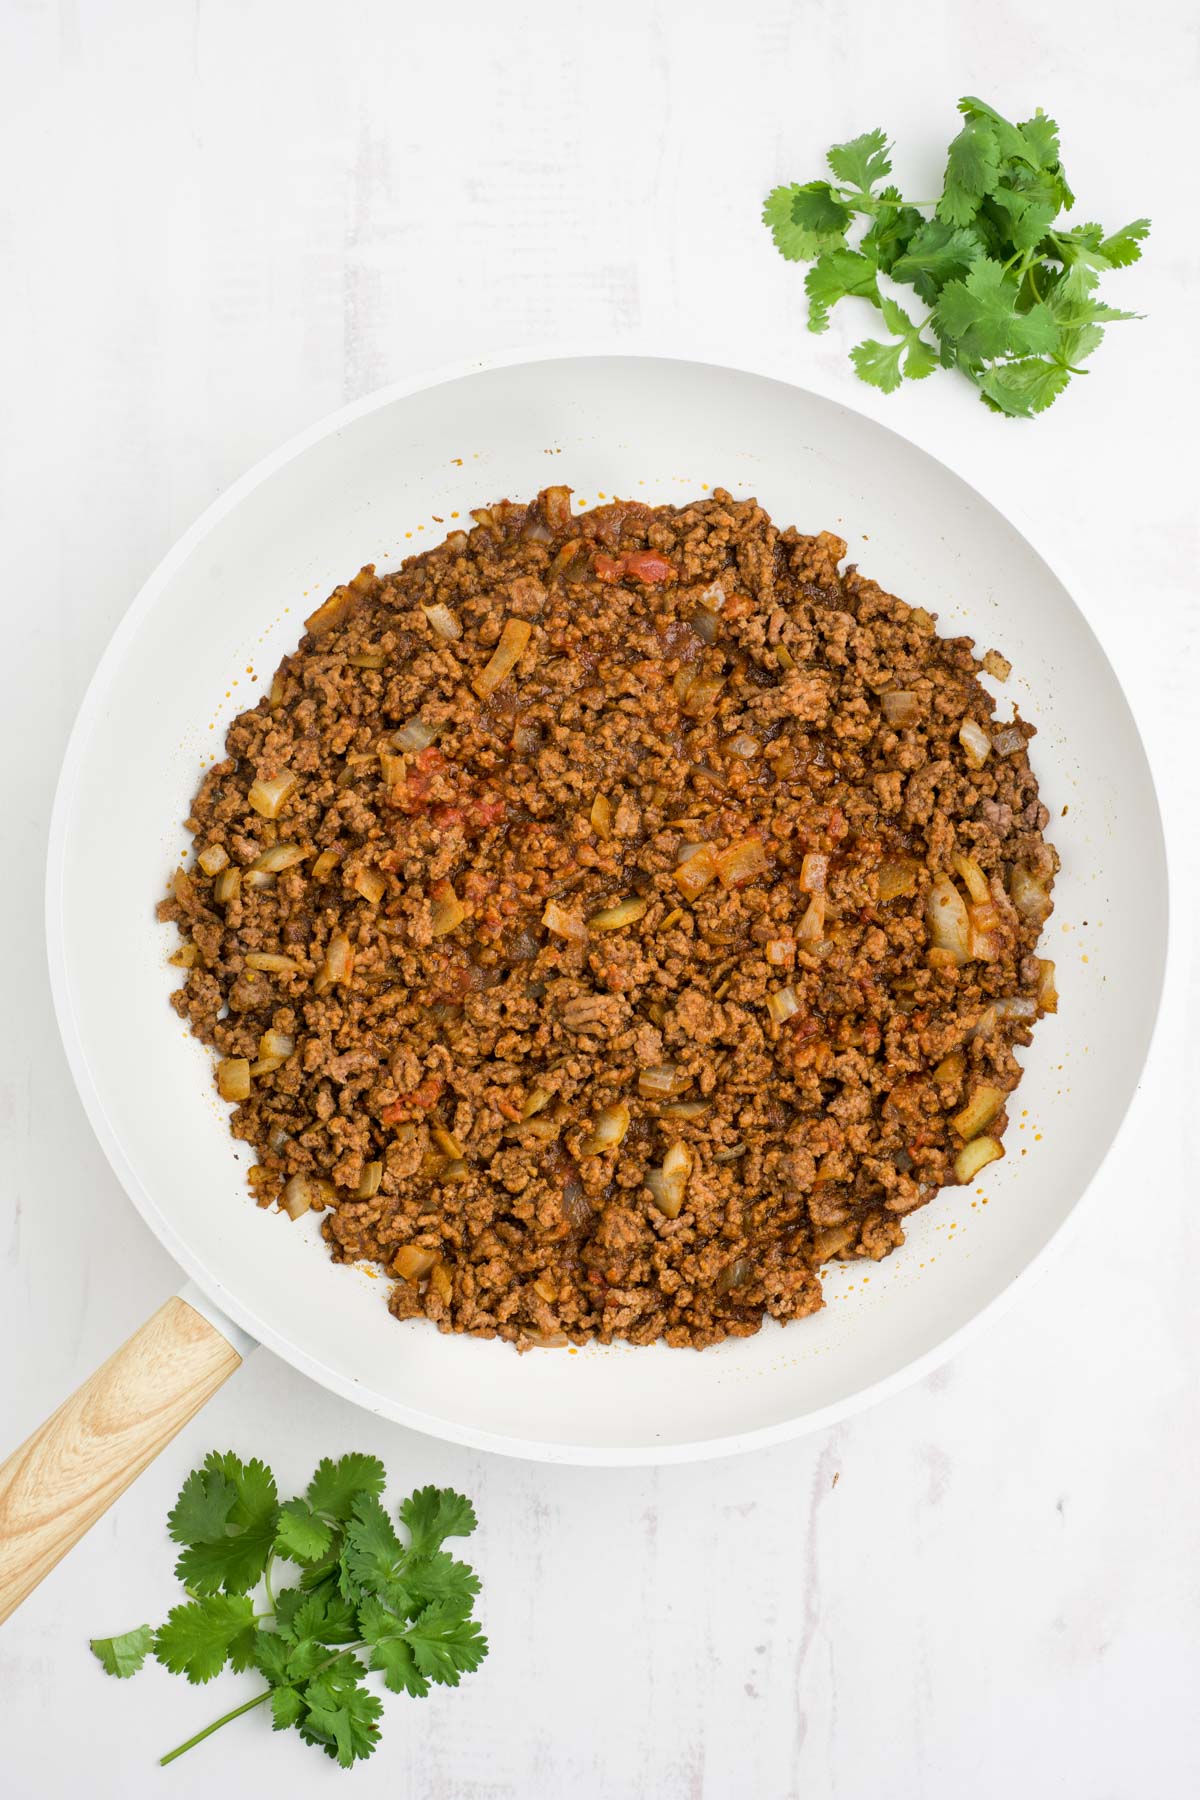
x=455, y=1042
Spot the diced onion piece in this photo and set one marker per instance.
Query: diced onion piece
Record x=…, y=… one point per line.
x=277, y=693
x=712, y=597
x=1047, y=990
x=997, y=666
x=545, y=1290
x=626, y=912
x=701, y=694
x=411, y=1261
x=812, y=926
x=987, y=944
x=448, y=911
x=441, y=1278
x=324, y=865
x=686, y=1109
x=784, y=657
x=276, y=1043
x=1008, y=739
x=418, y=734
x=972, y=876
x=814, y=871
x=834, y=1239
x=276, y=858
x=734, y=1275
x=369, y=1180
x=975, y=742
x=671, y=919
x=952, y=1068
x=340, y=603
x=743, y=744
x=564, y=924
x=366, y=659
x=443, y=622
x=740, y=863
x=979, y=1111
x=1016, y=1006
x=371, y=884
x=705, y=625
x=780, y=952
x=601, y=817
x=233, y=1078
x=545, y=1340
x=391, y=768
x=946, y=916
x=900, y=707
x=270, y=963
x=975, y=1156
x=662, y=1081
x=897, y=876
x=1029, y=896
x=538, y=1099
x=513, y=639
x=610, y=1127
x=214, y=859
x=671, y=1185
x=783, y=1003
x=697, y=867
x=185, y=957
x=339, y=960
x=266, y=1065
x=258, y=879
x=446, y=1142
x=268, y=797
x=303, y=1192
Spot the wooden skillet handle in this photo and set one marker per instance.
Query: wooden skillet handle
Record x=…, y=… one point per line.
x=70, y=1471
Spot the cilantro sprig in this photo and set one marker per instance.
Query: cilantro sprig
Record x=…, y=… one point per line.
x=363, y=1600
x=1010, y=289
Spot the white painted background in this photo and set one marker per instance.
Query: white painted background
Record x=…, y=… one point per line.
x=220, y=219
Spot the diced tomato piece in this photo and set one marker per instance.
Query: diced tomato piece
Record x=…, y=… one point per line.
x=427, y=1093
x=649, y=566
x=607, y=568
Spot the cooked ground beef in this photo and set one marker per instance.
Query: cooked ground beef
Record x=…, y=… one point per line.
x=607, y=919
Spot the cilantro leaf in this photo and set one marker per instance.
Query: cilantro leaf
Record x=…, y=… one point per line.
x=391, y=1653
x=446, y=1646
x=340, y=1714
x=1041, y=136
x=322, y=1619
x=1023, y=388
x=806, y=220
x=937, y=253
x=434, y=1514
x=271, y=1652
x=978, y=311
x=861, y=162
x=921, y=360
x=287, y=1708
x=123, y=1656
x=372, y=1549
x=442, y=1578
x=300, y=1534
x=333, y=1488
x=879, y=363
x=834, y=275
x=200, y=1638
x=972, y=168
x=891, y=230
x=1125, y=246
x=202, y=1510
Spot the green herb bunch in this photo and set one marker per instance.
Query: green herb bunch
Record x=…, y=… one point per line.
x=1010, y=291
x=361, y=1593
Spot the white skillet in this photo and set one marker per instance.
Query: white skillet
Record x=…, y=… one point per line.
x=378, y=481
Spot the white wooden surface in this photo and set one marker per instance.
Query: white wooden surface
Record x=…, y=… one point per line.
x=220, y=219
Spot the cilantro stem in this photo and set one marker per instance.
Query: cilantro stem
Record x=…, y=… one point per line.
x=267, y=1580
x=246, y=1706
